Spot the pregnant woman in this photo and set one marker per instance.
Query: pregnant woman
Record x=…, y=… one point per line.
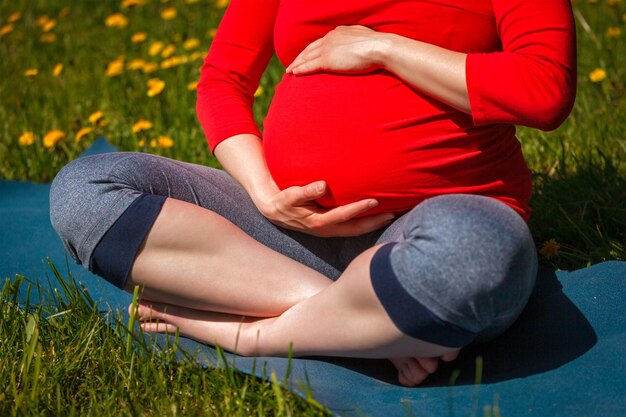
x=381, y=213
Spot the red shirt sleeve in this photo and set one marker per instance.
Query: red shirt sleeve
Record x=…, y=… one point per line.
x=232, y=69
x=532, y=81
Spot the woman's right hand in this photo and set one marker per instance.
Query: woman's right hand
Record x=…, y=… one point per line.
x=295, y=208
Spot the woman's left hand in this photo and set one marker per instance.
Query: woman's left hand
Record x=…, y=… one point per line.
x=346, y=49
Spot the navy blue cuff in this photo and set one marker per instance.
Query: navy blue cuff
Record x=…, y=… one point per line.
x=408, y=314
x=115, y=254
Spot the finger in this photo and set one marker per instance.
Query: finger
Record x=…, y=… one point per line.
x=311, y=53
x=294, y=196
x=315, y=44
x=347, y=212
x=353, y=227
x=308, y=67
x=305, y=54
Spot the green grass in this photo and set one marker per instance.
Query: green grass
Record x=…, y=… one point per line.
x=75, y=363
x=64, y=358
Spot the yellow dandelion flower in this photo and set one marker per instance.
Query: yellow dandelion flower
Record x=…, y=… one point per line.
x=168, y=51
x=141, y=125
x=150, y=67
x=26, y=139
x=31, y=72
x=613, y=32
x=82, y=133
x=14, y=17
x=597, y=75
x=198, y=55
x=192, y=86
x=154, y=143
x=169, y=13
x=212, y=32
x=141, y=143
x=221, y=4
x=165, y=142
x=47, y=37
x=155, y=48
x=52, y=138
x=139, y=37
x=136, y=64
x=132, y=3
x=613, y=2
x=115, y=67
x=153, y=81
x=174, y=61
x=41, y=20
x=258, y=92
x=550, y=249
x=56, y=71
x=49, y=25
x=191, y=43
x=6, y=29
x=168, y=63
x=116, y=20
x=155, y=86
x=95, y=117
x=64, y=12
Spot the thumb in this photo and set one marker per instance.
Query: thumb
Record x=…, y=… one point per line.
x=297, y=195
x=314, y=190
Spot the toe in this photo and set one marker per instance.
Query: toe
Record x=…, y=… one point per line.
x=158, y=327
x=449, y=357
x=404, y=380
x=416, y=373
x=144, y=312
x=430, y=365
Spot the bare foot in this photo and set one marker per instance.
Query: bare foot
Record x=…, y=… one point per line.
x=205, y=326
x=225, y=330
x=413, y=371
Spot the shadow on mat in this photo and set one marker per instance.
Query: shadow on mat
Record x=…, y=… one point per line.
x=549, y=333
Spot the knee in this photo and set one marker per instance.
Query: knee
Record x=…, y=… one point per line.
x=469, y=260
x=78, y=193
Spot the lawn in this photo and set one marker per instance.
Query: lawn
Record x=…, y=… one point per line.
x=74, y=70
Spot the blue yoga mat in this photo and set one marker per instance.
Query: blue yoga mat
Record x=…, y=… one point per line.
x=565, y=356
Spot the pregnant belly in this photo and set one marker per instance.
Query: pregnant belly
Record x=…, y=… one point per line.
x=368, y=136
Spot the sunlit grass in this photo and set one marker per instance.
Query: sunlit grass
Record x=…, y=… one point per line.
x=64, y=358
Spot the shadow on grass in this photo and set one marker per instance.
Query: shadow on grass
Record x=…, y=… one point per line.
x=583, y=210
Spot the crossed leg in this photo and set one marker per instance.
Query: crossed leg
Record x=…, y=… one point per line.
x=464, y=267
x=203, y=286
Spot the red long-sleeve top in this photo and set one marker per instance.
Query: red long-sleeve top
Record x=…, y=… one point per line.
x=373, y=136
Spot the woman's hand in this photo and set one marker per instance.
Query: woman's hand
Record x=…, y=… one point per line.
x=295, y=208
x=431, y=69
x=347, y=49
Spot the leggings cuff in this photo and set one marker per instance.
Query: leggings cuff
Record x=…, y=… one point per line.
x=115, y=254
x=407, y=313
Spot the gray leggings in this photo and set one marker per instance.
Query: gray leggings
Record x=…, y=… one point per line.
x=454, y=270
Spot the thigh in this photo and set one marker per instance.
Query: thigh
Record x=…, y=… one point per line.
x=91, y=193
